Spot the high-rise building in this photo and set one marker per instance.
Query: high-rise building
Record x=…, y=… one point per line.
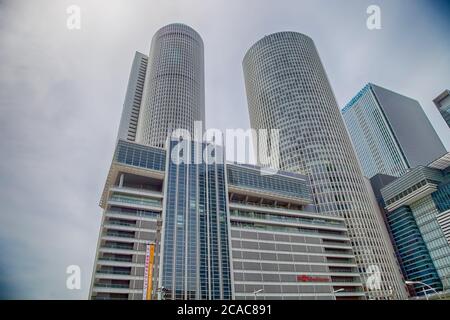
x=281, y=247
x=174, y=90
x=130, y=233
x=207, y=230
x=195, y=247
x=442, y=102
x=421, y=197
x=411, y=250
x=287, y=89
x=133, y=98
x=390, y=132
x=215, y=231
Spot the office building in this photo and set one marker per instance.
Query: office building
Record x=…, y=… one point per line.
x=287, y=89
x=174, y=89
x=390, y=132
x=133, y=98
x=412, y=253
x=202, y=230
x=283, y=249
x=195, y=254
x=421, y=198
x=130, y=232
x=442, y=102
x=215, y=231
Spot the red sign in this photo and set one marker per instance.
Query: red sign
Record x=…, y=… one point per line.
x=305, y=278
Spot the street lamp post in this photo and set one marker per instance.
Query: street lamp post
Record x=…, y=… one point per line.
x=336, y=291
x=257, y=291
x=424, y=284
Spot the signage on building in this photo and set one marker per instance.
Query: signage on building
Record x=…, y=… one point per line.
x=305, y=278
x=148, y=272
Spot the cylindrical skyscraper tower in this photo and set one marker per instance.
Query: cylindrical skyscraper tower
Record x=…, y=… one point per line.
x=287, y=89
x=174, y=90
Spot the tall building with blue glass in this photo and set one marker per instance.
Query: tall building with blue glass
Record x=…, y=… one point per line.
x=195, y=253
x=390, y=132
x=442, y=103
x=412, y=252
x=418, y=205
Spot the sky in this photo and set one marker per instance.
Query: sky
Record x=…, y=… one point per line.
x=61, y=95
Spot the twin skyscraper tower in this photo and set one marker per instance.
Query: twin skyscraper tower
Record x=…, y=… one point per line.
x=223, y=230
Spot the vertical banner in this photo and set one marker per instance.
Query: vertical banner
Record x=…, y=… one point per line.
x=148, y=273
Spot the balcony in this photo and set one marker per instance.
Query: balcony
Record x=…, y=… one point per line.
x=143, y=203
x=111, y=285
x=119, y=272
x=136, y=191
x=123, y=234
x=117, y=246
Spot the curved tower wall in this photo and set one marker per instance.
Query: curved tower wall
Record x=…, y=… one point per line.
x=287, y=89
x=174, y=91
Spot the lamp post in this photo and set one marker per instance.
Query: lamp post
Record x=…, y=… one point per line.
x=257, y=291
x=337, y=291
x=424, y=284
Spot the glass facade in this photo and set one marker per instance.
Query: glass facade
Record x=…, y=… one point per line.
x=442, y=102
x=411, y=250
x=374, y=142
x=386, y=128
x=140, y=156
x=442, y=196
x=251, y=178
x=421, y=198
x=425, y=212
x=195, y=254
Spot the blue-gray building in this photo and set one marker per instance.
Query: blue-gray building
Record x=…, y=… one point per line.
x=195, y=253
x=442, y=102
x=412, y=253
x=390, y=132
x=418, y=215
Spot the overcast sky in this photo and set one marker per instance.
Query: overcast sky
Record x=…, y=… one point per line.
x=61, y=94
